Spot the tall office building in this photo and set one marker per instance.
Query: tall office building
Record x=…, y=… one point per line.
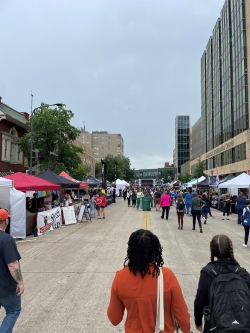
x=224, y=91
x=182, y=141
x=104, y=144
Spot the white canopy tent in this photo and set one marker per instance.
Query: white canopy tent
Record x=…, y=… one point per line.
x=195, y=181
x=15, y=202
x=241, y=181
x=120, y=184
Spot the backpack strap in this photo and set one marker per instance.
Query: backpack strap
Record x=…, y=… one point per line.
x=211, y=270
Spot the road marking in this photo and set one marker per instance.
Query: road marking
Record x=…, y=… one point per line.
x=146, y=221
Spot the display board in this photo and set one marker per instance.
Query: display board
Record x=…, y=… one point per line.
x=80, y=215
x=69, y=215
x=48, y=220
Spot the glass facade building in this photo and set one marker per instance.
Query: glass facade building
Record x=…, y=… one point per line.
x=182, y=141
x=224, y=88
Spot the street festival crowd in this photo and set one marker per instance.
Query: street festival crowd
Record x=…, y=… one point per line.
x=222, y=302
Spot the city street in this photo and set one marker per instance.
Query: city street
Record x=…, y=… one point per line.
x=68, y=272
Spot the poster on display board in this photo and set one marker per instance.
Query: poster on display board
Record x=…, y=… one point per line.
x=69, y=215
x=48, y=220
x=80, y=215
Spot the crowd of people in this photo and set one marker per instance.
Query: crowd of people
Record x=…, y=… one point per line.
x=192, y=204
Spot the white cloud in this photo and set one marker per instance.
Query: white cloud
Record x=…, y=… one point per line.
x=149, y=161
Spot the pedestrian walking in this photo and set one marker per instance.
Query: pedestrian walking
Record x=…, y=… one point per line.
x=227, y=206
x=221, y=247
x=180, y=207
x=114, y=195
x=157, y=200
x=133, y=198
x=196, y=205
x=246, y=223
x=205, y=208
x=188, y=199
x=92, y=205
x=11, y=281
x=138, y=198
x=165, y=204
x=98, y=202
x=129, y=193
x=103, y=205
x=134, y=288
x=241, y=204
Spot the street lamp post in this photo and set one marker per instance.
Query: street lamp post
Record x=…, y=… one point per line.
x=31, y=131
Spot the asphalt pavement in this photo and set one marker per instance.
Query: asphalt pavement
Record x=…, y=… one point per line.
x=69, y=271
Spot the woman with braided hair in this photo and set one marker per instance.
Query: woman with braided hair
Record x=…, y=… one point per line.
x=221, y=247
x=135, y=289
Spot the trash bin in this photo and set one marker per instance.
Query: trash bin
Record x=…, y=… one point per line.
x=146, y=203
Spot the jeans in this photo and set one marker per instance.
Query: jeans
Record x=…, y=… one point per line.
x=240, y=212
x=196, y=213
x=12, y=306
x=205, y=211
x=92, y=209
x=166, y=208
x=180, y=218
x=187, y=207
x=246, y=234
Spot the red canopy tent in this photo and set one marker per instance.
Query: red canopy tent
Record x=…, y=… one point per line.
x=24, y=182
x=67, y=176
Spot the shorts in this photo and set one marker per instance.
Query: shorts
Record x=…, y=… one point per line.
x=103, y=207
x=157, y=201
x=97, y=207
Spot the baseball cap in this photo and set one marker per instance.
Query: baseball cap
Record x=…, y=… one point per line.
x=4, y=214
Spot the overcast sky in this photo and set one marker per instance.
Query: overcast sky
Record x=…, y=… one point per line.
x=124, y=66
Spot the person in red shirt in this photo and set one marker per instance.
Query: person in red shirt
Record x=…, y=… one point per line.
x=135, y=289
x=103, y=205
x=98, y=202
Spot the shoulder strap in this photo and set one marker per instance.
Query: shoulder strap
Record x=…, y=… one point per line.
x=211, y=270
x=159, y=326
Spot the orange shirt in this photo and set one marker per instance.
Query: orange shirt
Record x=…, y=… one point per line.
x=139, y=298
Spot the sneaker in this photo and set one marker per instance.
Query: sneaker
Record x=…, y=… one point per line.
x=193, y=229
x=179, y=227
x=223, y=219
x=227, y=219
x=205, y=222
x=201, y=231
x=244, y=245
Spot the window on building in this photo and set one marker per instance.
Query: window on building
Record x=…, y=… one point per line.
x=5, y=147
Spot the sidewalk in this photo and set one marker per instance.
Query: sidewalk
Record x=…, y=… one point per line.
x=68, y=272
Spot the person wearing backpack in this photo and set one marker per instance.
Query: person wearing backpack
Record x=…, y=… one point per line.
x=223, y=294
x=246, y=223
x=180, y=208
x=241, y=204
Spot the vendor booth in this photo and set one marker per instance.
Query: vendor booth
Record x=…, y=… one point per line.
x=190, y=184
x=242, y=181
x=120, y=184
x=209, y=181
x=56, y=179
x=82, y=184
x=14, y=201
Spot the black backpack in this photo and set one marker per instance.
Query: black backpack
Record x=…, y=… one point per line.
x=229, y=307
x=180, y=205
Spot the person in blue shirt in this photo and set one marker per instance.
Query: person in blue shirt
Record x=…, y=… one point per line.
x=241, y=204
x=188, y=198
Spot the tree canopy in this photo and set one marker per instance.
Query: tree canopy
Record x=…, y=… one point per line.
x=199, y=169
x=185, y=178
x=53, y=136
x=123, y=169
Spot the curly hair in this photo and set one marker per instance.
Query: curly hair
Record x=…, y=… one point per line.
x=144, y=248
x=221, y=247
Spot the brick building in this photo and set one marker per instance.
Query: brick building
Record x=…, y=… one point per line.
x=12, y=125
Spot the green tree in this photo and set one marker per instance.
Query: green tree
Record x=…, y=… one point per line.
x=185, y=178
x=167, y=177
x=53, y=136
x=199, y=169
x=80, y=172
x=98, y=170
x=123, y=169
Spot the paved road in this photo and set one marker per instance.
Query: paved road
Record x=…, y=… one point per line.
x=68, y=272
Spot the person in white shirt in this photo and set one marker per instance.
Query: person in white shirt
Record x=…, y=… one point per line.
x=138, y=199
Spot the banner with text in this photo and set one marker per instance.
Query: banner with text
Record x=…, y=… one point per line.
x=48, y=220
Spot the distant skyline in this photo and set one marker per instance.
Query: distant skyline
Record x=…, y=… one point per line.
x=125, y=66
